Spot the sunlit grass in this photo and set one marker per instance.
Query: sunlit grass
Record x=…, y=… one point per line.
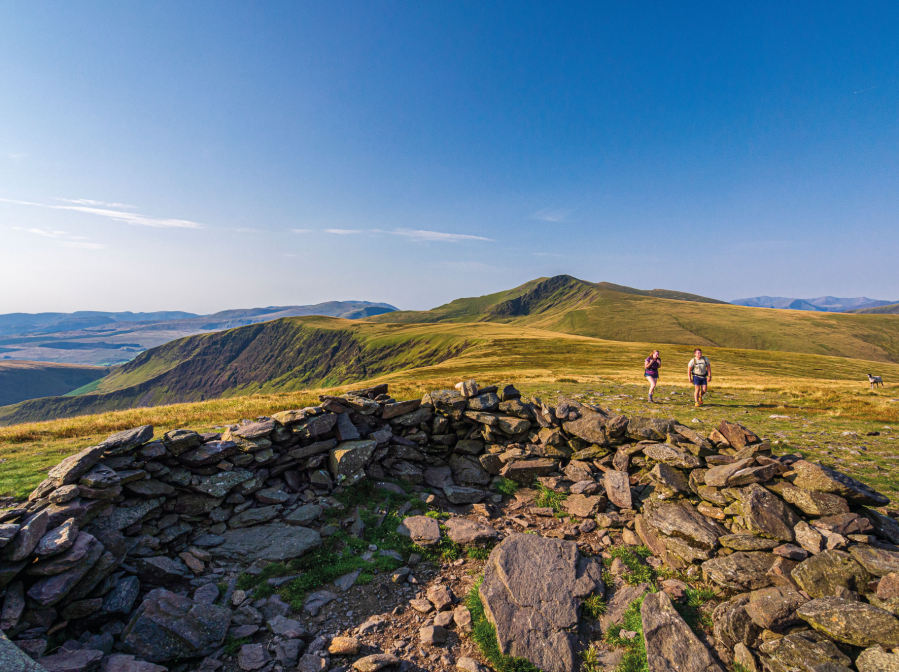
x=818, y=393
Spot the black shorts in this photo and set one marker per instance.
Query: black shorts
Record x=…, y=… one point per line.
x=700, y=380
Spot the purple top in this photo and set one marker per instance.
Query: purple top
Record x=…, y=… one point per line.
x=652, y=366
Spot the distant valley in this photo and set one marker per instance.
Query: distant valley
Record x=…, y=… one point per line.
x=107, y=338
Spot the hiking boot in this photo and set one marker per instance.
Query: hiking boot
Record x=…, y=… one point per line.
x=651, y=400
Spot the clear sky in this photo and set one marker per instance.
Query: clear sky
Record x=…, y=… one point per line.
x=208, y=155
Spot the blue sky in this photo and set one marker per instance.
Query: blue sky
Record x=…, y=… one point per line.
x=209, y=155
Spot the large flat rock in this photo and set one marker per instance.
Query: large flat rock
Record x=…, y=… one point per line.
x=13, y=659
x=168, y=626
x=671, y=645
x=532, y=592
x=849, y=622
x=275, y=541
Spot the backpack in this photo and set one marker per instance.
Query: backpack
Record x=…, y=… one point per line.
x=700, y=366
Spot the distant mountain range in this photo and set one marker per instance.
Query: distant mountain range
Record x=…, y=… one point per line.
x=302, y=353
x=95, y=337
x=823, y=304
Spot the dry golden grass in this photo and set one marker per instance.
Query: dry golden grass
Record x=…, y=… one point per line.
x=816, y=387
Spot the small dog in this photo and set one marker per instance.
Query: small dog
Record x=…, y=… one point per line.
x=875, y=380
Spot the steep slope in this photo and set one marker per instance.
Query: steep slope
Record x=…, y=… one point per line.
x=890, y=309
x=279, y=356
x=29, y=380
x=603, y=310
x=90, y=338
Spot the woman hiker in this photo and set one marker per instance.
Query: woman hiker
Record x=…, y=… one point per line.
x=651, y=371
x=699, y=371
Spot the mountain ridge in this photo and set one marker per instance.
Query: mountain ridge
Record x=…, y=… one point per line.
x=830, y=304
x=300, y=352
x=888, y=309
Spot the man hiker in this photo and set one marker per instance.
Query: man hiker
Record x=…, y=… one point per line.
x=699, y=371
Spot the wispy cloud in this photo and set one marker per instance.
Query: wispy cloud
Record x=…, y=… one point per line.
x=551, y=215
x=126, y=217
x=344, y=232
x=546, y=254
x=47, y=233
x=412, y=234
x=437, y=236
x=15, y=156
x=87, y=201
x=64, y=239
x=301, y=231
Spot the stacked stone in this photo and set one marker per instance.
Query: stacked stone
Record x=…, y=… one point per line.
x=812, y=563
x=106, y=543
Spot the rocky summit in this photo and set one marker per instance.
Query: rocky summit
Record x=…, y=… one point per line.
x=469, y=529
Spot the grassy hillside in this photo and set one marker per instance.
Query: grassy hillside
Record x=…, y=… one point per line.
x=306, y=352
x=20, y=380
x=891, y=309
x=807, y=400
x=282, y=355
x=612, y=312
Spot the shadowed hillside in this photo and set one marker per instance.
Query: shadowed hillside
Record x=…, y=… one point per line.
x=284, y=355
x=28, y=380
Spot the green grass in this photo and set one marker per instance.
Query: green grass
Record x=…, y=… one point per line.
x=637, y=571
x=590, y=659
x=477, y=552
x=506, y=486
x=446, y=549
x=691, y=610
x=84, y=389
x=550, y=498
x=634, y=659
x=594, y=606
x=483, y=634
x=232, y=646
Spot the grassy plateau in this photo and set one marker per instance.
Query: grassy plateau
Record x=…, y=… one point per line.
x=819, y=405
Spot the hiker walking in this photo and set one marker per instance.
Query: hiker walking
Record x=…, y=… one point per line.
x=651, y=371
x=699, y=371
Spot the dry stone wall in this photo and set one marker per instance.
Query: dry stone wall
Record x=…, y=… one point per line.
x=111, y=544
